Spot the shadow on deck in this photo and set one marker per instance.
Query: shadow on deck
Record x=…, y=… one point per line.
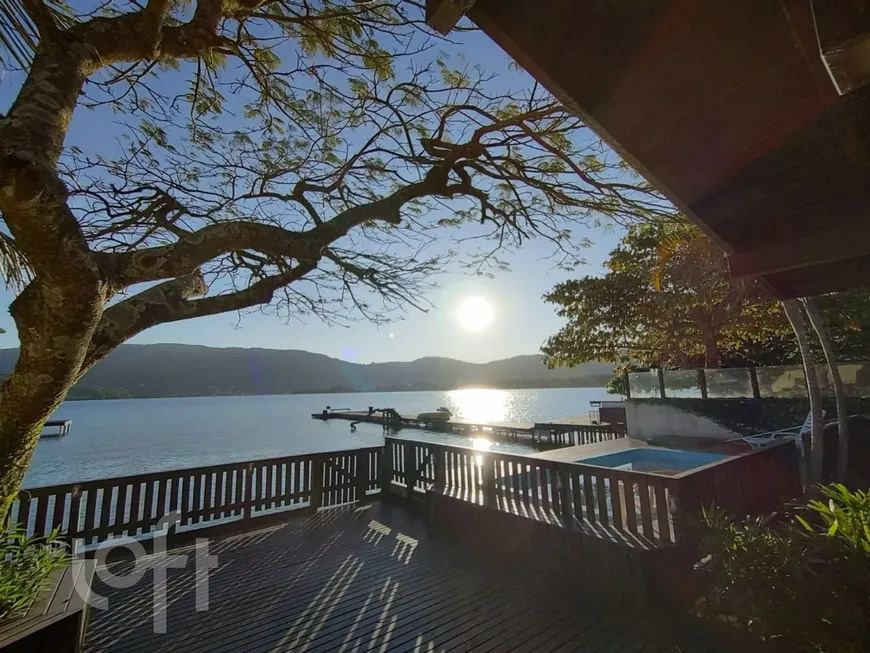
x=374, y=578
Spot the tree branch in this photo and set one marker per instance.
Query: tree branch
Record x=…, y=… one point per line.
x=196, y=248
x=170, y=302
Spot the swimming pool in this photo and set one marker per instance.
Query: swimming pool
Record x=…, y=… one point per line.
x=654, y=459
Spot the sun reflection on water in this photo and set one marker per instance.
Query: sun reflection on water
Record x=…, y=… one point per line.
x=480, y=405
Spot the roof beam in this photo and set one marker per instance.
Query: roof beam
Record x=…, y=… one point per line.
x=849, y=63
x=826, y=246
x=822, y=279
x=843, y=34
x=442, y=15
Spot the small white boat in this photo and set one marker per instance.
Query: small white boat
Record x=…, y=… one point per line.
x=442, y=414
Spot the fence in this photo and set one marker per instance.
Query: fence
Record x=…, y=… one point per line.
x=636, y=508
x=628, y=506
x=783, y=382
x=204, y=496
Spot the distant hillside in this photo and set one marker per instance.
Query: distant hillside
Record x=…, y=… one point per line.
x=190, y=370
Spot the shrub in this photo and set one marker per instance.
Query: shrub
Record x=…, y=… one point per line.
x=25, y=566
x=804, y=581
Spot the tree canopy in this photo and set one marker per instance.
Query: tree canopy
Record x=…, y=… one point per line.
x=667, y=300
x=313, y=157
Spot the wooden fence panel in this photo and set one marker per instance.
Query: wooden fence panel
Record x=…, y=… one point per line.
x=133, y=505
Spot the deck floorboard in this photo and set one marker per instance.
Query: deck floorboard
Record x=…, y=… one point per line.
x=374, y=578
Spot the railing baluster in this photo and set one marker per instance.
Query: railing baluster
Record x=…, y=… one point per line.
x=662, y=511
x=270, y=492
x=645, y=509
x=22, y=519
x=120, y=510
x=544, y=485
x=563, y=483
x=41, y=516
x=160, y=498
x=59, y=510
x=316, y=483
x=75, y=507
x=149, y=511
x=577, y=495
x=135, y=499
x=615, y=500
x=589, y=498
x=601, y=492
x=90, y=511
x=196, y=501
x=630, y=506
x=410, y=469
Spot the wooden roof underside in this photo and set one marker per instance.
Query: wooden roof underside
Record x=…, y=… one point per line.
x=730, y=108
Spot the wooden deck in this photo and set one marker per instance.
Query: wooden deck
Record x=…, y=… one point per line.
x=374, y=577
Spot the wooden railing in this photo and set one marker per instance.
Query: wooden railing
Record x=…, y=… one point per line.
x=204, y=496
x=627, y=506
x=635, y=508
x=567, y=435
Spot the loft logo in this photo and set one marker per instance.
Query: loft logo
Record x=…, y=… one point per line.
x=159, y=561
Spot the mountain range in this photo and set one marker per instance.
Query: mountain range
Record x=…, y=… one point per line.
x=191, y=370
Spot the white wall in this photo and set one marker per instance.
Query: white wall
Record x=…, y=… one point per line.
x=650, y=420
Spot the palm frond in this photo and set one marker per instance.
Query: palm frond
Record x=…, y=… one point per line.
x=667, y=249
x=14, y=267
x=19, y=36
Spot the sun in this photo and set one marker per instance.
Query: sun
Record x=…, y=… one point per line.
x=475, y=314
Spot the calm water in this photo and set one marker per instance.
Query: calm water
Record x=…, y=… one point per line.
x=136, y=436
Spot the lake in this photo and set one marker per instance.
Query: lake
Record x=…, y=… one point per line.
x=137, y=436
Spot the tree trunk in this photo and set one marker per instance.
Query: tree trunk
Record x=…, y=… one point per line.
x=55, y=330
x=816, y=444
x=818, y=325
x=711, y=352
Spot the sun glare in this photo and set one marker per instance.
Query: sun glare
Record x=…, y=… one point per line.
x=475, y=314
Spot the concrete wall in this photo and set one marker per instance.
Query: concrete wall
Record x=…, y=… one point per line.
x=647, y=420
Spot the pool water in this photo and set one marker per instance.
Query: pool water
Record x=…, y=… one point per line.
x=654, y=460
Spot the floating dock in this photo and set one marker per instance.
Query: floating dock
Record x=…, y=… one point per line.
x=566, y=432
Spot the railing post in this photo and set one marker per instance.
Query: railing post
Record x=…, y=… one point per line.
x=362, y=475
x=440, y=468
x=74, y=510
x=410, y=469
x=385, y=473
x=660, y=374
x=753, y=379
x=702, y=382
x=487, y=478
x=316, y=482
x=249, y=491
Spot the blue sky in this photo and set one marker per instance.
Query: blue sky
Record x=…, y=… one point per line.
x=522, y=319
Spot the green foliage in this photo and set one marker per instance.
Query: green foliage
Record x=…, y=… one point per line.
x=25, y=566
x=666, y=299
x=844, y=516
x=805, y=582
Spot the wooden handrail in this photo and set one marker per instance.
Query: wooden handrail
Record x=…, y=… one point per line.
x=133, y=505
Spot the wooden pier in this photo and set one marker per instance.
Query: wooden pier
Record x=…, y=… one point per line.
x=567, y=432
x=61, y=426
